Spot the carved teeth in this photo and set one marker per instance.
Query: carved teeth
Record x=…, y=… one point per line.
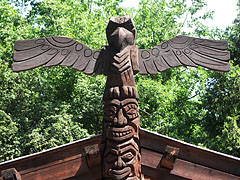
x=120, y=134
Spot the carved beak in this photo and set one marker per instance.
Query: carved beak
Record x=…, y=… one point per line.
x=121, y=38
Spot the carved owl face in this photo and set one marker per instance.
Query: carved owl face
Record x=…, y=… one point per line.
x=121, y=32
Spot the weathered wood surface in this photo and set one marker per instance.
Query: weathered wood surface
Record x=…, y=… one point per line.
x=178, y=51
x=119, y=61
x=52, y=51
x=121, y=158
x=70, y=161
x=58, y=163
x=191, y=153
x=11, y=174
x=184, y=50
x=182, y=169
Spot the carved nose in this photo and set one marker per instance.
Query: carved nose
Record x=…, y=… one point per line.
x=121, y=38
x=120, y=120
x=119, y=33
x=119, y=163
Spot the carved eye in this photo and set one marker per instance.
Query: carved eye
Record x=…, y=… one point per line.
x=129, y=26
x=110, y=112
x=131, y=111
x=128, y=156
x=110, y=158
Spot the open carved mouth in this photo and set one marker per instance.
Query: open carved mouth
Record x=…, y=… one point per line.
x=120, y=133
x=120, y=174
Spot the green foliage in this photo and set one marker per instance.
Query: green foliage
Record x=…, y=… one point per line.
x=9, y=139
x=47, y=107
x=221, y=102
x=232, y=33
x=63, y=129
x=173, y=108
x=230, y=136
x=157, y=21
x=87, y=105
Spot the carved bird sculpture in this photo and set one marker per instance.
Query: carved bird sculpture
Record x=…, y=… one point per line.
x=119, y=61
x=121, y=32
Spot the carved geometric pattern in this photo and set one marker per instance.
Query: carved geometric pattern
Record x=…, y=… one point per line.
x=184, y=50
x=121, y=158
x=122, y=161
x=121, y=119
x=52, y=51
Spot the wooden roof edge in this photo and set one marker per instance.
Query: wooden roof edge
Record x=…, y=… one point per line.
x=143, y=132
x=191, y=145
x=51, y=149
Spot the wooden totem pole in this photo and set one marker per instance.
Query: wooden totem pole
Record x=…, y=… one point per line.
x=119, y=61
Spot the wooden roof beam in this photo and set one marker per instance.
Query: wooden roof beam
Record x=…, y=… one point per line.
x=11, y=174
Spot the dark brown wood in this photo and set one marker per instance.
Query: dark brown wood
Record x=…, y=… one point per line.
x=184, y=50
x=198, y=172
x=169, y=157
x=52, y=51
x=11, y=174
x=75, y=161
x=121, y=157
x=92, y=155
x=58, y=163
x=191, y=153
x=59, y=171
x=119, y=61
x=151, y=166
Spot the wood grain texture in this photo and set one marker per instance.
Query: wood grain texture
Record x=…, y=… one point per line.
x=182, y=169
x=121, y=158
x=57, y=50
x=191, y=162
x=11, y=174
x=69, y=160
x=191, y=153
x=187, y=51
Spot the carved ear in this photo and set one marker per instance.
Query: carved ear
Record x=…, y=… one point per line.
x=187, y=51
x=52, y=51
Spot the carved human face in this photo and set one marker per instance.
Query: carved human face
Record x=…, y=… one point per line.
x=122, y=161
x=121, y=119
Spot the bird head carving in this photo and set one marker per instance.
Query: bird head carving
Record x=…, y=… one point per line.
x=121, y=32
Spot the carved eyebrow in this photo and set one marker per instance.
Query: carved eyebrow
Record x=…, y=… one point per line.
x=129, y=147
x=115, y=102
x=130, y=106
x=129, y=101
x=112, y=151
x=128, y=24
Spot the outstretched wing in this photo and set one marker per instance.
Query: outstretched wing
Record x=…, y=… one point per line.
x=52, y=51
x=184, y=50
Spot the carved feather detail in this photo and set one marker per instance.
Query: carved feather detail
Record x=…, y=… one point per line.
x=184, y=50
x=52, y=51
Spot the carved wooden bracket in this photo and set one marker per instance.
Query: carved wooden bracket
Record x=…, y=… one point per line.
x=169, y=157
x=11, y=174
x=92, y=155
